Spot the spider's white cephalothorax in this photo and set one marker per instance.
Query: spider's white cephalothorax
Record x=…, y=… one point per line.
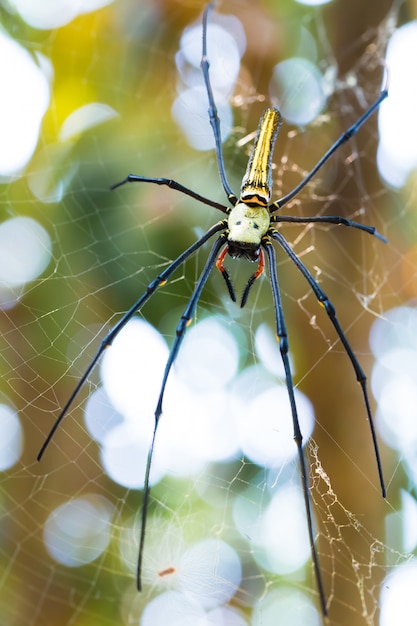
x=248, y=224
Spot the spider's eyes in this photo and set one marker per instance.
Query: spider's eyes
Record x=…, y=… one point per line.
x=255, y=225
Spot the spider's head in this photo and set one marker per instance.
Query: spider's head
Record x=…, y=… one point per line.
x=249, y=251
x=247, y=225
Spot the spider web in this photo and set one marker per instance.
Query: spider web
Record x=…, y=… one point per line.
x=106, y=247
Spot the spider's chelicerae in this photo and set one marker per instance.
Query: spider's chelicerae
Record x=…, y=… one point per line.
x=248, y=229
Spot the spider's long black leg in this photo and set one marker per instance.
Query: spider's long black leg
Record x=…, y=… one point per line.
x=328, y=219
x=331, y=312
x=180, y=333
x=161, y=279
x=342, y=139
x=212, y=111
x=298, y=438
x=172, y=184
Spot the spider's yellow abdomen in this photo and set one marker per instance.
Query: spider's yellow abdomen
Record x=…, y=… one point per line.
x=257, y=182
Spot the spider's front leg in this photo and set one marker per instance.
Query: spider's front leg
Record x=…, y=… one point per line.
x=259, y=271
x=224, y=272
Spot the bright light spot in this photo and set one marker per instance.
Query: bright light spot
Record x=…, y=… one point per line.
x=84, y=118
x=124, y=456
x=23, y=103
x=11, y=437
x=395, y=329
x=297, y=86
x=48, y=14
x=224, y=52
x=172, y=608
x=267, y=350
x=25, y=251
x=394, y=382
x=313, y=3
x=247, y=512
x=218, y=356
x=53, y=167
x=393, y=340
x=277, y=530
x=52, y=170
x=132, y=370
x=190, y=108
x=225, y=616
x=397, y=155
x=397, y=409
x=409, y=521
x=87, y=6
x=78, y=531
x=284, y=545
x=175, y=609
x=196, y=428
x=284, y=605
x=100, y=416
x=209, y=573
x=189, y=111
x=398, y=599
x=265, y=428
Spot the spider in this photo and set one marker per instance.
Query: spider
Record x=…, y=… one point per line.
x=249, y=228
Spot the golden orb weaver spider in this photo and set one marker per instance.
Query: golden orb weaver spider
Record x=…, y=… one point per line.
x=247, y=231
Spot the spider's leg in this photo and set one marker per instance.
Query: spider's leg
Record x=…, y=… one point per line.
x=180, y=333
x=331, y=312
x=223, y=270
x=172, y=184
x=259, y=271
x=298, y=438
x=212, y=111
x=342, y=139
x=328, y=219
x=161, y=279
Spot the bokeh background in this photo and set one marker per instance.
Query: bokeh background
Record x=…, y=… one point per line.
x=88, y=91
